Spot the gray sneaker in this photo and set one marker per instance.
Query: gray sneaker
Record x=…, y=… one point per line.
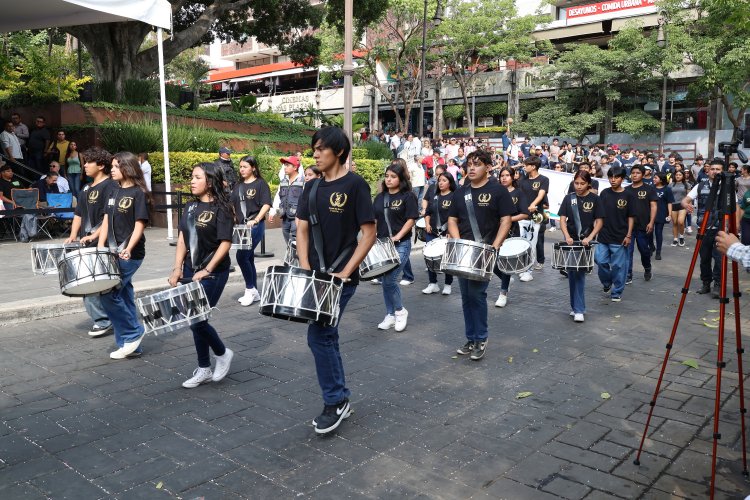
x=478, y=352
x=99, y=331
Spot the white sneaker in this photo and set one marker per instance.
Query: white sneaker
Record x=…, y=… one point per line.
x=572, y=314
x=689, y=230
x=501, y=300
x=375, y=282
x=128, y=348
x=246, y=296
x=251, y=295
x=552, y=229
x=405, y=282
x=538, y=266
x=447, y=289
x=401, y=317
x=200, y=375
x=525, y=276
x=387, y=322
x=118, y=354
x=222, y=365
x=431, y=288
x=578, y=317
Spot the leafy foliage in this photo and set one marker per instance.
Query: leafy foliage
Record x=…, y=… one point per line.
x=375, y=150
x=453, y=111
x=491, y=109
x=636, y=122
x=464, y=131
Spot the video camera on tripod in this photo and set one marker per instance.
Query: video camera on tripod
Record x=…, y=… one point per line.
x=740, y=136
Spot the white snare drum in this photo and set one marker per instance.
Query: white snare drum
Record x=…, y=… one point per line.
x=575, y=257
x=45, y=256
x=515, y=256
x=296, y=294
x=433, y=252
x=290, y=258
x=242, y=238
x=381, y=258
x=88, y=271
x=174, y=309
x=468, y=259
x=421, y=225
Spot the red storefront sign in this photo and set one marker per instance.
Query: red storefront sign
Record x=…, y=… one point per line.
x=596, y=9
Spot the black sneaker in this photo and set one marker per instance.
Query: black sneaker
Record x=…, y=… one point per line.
x=706, y=288
x=715, y=292
x=332, y=417
x=647, y=275
x=629, y=280
x=466, y=349
x=98, y=331
x=606, y=289
x=658, y=256
x=478, y=352
x=564, y=272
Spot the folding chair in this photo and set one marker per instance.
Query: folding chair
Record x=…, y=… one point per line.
x=61, y=200
x=28, y=199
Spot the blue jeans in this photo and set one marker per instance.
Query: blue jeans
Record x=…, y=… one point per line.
x=433, y=276
x=324, y=344
x=246, y=258
x=204, y=335
x=577, y=284
x=94, y=308
x=288, y=229
x=659, y=235
x=75, y=184
x=389, y=281
x=504, y=279
x=612, y=260
x=419, y=192
x=642, y=239
x=474, y=304
x=119, y=304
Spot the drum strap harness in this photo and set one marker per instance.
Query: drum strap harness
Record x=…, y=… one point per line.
x=317, y=234
x=440, y=227
x=576, y=214
x=243, y=205
x=472, y=217
x=386, y=211
x=111, y=239
x=193, y=241
x=88, y=227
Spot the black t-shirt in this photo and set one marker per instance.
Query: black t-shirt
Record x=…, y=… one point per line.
x=531, y=188
x=343, y=206
x=589, y=208
x=664, y=203
x=491, y=202
x=441, y=207
x=642, y=198
x=6, y=187
x=255, y=194
x=213, y=225
x=618, y=207
x=520, y=205
x=37, y=139
x=125, y=207
x=92, y=202
x=403, y=206
x=45, y=188
x=594, y=185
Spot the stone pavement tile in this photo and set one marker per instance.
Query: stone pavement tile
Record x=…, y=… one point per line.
x=682, y=487
x=234, y=438
x=79, y=408
x=611, y=449
x=137, y=474
x=78, y=438
x=506, y=489
x=484, y=470
x=651, y=467
x=459, y=456
x=493, y=446
x=603, y=481
x=437, y=484
x=304, y=480
x=139, y=453
x=566, y=489
x=30, y=469
x=538, y=468
x=255, y=459
x=36, y=427
x=632, y=440
x=583, y=435
x=244, y=482
x=178, y=448
x=21, y=491
x=211, y=491
x=89, y=461
x=372, y=475
x=33, y=408
x=187, y=425
x=66, y=483
x=206, y=468
x=16, y=449
x=580, y=456
x=131, y=438
x=145, y=491
x=676, y=433
x=339, y=488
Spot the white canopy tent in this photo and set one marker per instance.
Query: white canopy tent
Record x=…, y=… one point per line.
x=40, y=14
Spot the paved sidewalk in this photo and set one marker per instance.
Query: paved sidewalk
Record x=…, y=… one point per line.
x=426, y=424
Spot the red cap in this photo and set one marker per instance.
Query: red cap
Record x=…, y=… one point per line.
x=290, y=159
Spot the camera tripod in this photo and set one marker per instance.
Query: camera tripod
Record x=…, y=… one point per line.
x=722, y=186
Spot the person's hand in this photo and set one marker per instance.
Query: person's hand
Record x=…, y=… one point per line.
x=394, y=239
x=174, y=278
x=532, y=208
x=270, y=218
x=86, y=240
x=568, y=240
x=724, y=241
x=344, y=277
x=125, y=255
x=72, y=239
x=690, y=208
x=428, y=228
x=251, y=223
x=668, y=219
x=626, y=241
x=200, y=275
x=649, y=227
x=586, y=242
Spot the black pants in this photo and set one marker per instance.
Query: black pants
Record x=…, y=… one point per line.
x=540, y=243
x=708, y=251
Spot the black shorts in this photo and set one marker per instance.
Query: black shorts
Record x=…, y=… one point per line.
x=676, y=207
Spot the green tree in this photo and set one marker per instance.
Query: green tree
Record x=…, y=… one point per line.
x=476, y=34
x=191, y=70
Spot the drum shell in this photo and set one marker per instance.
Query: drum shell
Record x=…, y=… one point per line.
x=174, y=309
x=433, y=252
x=420, y=226
x=290, y=257
x=517, y=263
x=296, y=294
x=575, y=257
x=382, y=258
x=45, y=256
x=468, y=259
x=242, y=237
x=88, y=271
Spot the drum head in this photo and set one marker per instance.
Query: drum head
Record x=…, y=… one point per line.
x=514, y=246
x=435, y=248
x=421, y=223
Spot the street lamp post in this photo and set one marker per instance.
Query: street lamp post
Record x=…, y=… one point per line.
x=661, y=42
x=348, y=66
x=435, y=21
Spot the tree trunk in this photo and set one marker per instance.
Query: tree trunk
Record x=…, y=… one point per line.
x=437, y=122
x=608, y=118
x=712, y=119
x=463, y=84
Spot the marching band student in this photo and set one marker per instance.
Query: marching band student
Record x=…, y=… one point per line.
x=87, y=220
x=207, y=262
x=344, y=208
x=535, y=186
x=492, y=207
x=582, y=226
x=395, y=212
x=251, y=200
x=287, y=197
x=125, y=219
x=644, y=209
x=520, y=212
x=664, y=202
x=614, y=238
x=438, y=209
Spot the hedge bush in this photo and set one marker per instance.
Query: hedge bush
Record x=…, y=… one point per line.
x=477, y=130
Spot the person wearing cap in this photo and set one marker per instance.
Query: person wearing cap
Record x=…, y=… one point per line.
x=300, y=168
x=287, y=197
x=648, y=174
x=225, y=162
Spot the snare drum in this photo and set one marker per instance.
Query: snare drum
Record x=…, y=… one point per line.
x=45, y=256
x=381, y=259
x=575, y=257
x=433, y=252
x=174, y=309
x=290, y=258
x=515, y=256
x=468, y=259
x=421, y=225
x=242, y=238
x=88, y=271
x=296, y=294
